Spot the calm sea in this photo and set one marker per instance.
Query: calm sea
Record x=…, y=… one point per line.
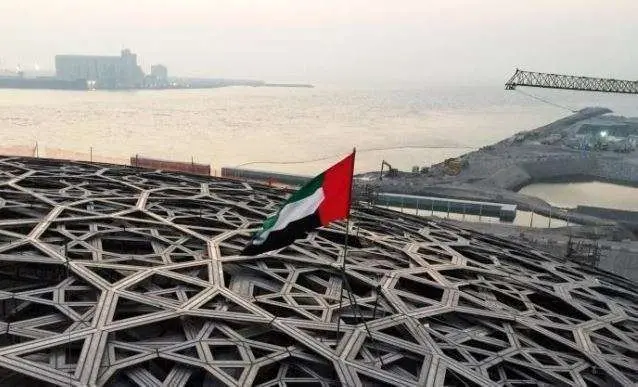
x=233, y=126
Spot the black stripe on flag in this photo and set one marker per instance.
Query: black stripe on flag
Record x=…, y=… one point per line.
x=277, y=239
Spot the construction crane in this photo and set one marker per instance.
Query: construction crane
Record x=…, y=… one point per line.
x=570, y=82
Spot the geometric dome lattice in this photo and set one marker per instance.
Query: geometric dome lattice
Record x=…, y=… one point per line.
x=112, y=275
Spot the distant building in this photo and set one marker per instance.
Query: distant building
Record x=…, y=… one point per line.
x=158, y=78
x=160, y=72
x=107, y=72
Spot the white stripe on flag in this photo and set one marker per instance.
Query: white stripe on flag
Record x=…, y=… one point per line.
x=292, y=212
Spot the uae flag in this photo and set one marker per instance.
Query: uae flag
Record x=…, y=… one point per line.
x=324, y=199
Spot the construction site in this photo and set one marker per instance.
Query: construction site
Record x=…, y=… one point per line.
x=591, y=144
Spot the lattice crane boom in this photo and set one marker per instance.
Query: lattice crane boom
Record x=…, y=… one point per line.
x=570, y=82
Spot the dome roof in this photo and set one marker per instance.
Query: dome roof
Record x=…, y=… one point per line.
x=120, y=276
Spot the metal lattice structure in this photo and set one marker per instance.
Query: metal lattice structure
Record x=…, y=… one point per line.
x=570, y=82
x=119, y=276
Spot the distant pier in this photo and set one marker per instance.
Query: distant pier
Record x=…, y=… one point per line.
x=302, y=85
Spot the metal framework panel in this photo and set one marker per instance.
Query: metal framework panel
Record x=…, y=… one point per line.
x=570, y=82
x=113, y=275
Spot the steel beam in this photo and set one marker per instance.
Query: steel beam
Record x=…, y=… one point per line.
x=570, y=82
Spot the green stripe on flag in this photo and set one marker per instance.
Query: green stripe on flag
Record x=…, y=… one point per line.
x=292, y=212
x=305, y=191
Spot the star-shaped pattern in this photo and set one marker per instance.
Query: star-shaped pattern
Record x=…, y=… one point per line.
x=112, y=275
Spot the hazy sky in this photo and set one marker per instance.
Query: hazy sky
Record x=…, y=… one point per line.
x=333, y=41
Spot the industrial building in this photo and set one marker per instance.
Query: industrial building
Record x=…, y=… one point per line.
x=160, y=72
x=104, y=72
x=158, y=78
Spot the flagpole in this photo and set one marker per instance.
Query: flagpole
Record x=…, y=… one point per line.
x=345, y=244
x=344, y=278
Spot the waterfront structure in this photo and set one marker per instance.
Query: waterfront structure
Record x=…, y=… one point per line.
x=112, y=275
x=160, y=72
x=158, y=78
x=105, y=72
x=21, y=82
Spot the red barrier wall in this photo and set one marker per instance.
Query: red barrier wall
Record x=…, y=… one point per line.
x=166, y=165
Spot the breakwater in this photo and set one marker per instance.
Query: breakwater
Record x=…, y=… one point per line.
x=573, y=167
x=561, y=166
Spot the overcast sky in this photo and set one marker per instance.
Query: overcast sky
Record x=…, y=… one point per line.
x=333, y=41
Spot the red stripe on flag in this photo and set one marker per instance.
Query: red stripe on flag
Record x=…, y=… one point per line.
x=337, y=185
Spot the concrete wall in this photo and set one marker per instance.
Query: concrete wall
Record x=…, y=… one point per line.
x=561, y=167
x=609, y=213
x=615, y=170
x=512, y=178
x=628, y=219
x=264, y=176
x=564, y=168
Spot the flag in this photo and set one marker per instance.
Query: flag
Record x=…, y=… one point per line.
x=324, y=199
